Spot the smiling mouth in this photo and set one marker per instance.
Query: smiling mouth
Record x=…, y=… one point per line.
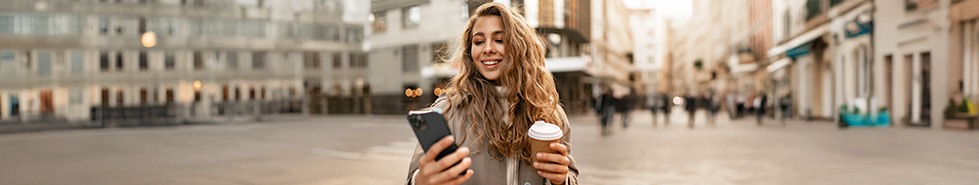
x=492, y=62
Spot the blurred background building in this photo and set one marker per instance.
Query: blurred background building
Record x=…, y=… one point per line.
x=77, y=61
x=146, y=61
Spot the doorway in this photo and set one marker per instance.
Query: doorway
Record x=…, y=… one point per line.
x=925, y=89
x=47, y=103
x=14, y=105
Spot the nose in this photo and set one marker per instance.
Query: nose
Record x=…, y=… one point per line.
x=489, y=49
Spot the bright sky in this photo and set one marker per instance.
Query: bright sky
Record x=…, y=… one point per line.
x=678, y=10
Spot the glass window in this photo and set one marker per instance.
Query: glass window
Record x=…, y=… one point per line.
x=409, y=58
x=411, y=16
x=104, y=61
x=168, y=61
x=354, y=35
x=198, y=61
x=44, y=63
x=337, y=60
x=104, y=26
x=8, y=64
x=77, y=63
x=312, y=60
x=143, y=61
x=75, y=97
x=6, y=24
x=119, y=61
x=258, y=60
x=232, y=58
x=379, y=22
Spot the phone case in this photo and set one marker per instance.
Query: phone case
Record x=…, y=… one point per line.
x=430, y=127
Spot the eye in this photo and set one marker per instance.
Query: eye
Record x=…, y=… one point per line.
x=499, y=40
x=478, y=42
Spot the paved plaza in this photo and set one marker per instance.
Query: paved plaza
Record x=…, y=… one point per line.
x=375, y=149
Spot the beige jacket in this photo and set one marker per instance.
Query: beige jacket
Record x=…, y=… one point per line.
x=492, y=171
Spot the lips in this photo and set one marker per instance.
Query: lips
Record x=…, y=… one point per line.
x=490, y=63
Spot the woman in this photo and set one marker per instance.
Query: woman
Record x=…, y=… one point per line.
x=502, y=87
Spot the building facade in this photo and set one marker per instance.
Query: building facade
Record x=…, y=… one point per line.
x=964, y=49
x=911, y=43
x=64, y=60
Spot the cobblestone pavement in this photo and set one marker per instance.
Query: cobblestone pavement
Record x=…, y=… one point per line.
x=376, y=149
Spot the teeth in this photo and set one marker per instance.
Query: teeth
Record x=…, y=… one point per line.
x=491, y=62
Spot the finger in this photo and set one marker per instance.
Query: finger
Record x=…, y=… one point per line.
x=447, y=161
x=464, y=178
x=553, y=157
x=435, y=149
x=551, y=168
x=451, y=173
x=553, y=176
x=561, y=148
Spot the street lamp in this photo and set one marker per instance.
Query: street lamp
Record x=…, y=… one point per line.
x=197, y=85
x=148, y=39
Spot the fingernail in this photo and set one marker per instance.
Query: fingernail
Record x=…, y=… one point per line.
x=536, y=164
x=451, y=138
x=553, y=145
x=540, y=155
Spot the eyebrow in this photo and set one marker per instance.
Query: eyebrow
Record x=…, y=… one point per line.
x=494, y=33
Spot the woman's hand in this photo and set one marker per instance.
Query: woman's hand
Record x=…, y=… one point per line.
x=554, y=166
x=439, y=172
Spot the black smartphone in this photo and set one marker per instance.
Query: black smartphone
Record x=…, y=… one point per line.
x=430, y=127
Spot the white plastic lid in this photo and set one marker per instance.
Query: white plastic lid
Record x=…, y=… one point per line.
x=545, y=131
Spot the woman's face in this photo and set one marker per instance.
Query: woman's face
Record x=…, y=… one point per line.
x=487, y=46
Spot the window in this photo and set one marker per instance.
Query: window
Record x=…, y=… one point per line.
x=119, y=99
x=198, y=61
x=6, y=24
x=337, y=60
x=251, y=93
x=354, y=35
x=77, y=62
x=787, y=23
x=232, y=58
x=142, y=25
x=104, y=26
x=263, y=93
x=169, y=95
x=465, y=10
x=237, y=93
x=258, y=60
x=44, y=63
x=910, y=5
x=411, y=16
x=119, y=61
x=105, y=96
x=358, y=60
x=8, y=64
x=379, y=22
x=224, y=93
x=75, y=97
x=312, y=60
x=168, y=61
x=104, y=61
x=813, y=9
x=143, y=61
x=142, y=96
x=409, y=58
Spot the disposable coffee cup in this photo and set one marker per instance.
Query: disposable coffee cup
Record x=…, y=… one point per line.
x=542, y=135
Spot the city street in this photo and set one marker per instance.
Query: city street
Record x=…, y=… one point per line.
x=375, y=149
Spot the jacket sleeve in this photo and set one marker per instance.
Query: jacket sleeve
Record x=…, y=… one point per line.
x=572, y=166
x=419, y=152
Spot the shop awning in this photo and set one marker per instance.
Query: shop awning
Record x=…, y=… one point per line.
x=565, y=64
x=800, y=40
x=781, y=63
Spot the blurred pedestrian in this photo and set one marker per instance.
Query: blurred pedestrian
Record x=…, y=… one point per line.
x=653, y=103
x=713, y=106
x=501, y=89
x=667, y=107
x=785, y=104
x=608, y=111
x=690, y=105
x=626, y=104
x=760, y=102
